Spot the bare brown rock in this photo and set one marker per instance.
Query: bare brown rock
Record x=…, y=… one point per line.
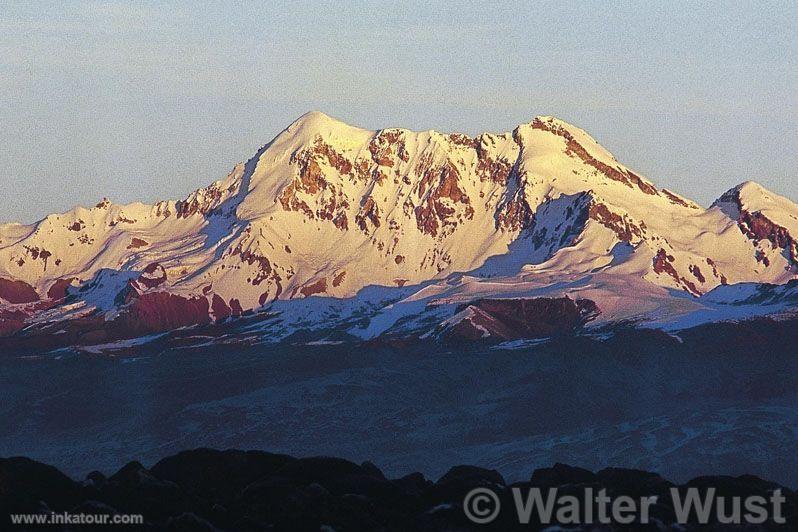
x=318, y=287
x=369, y=212
x=17, y=292
x=675, y=199
x=220, y=309
x=161, y=311
x=138, y=243
x=339, y=278
x=696, y=271
x=663, y=264
x=620, y=225
x=58, y=290
x=443, y=192
x=510, y=319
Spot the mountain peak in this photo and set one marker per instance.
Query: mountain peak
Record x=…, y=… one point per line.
x=314, y=118
x=751, y=194
x=747, y=188
x=553, y=120
x=753, y=190
x=316, y=123
x=763, y=216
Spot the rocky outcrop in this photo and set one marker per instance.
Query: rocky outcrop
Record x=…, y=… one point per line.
x=205, y=200
x=490, y=167
x=623, y=226
x=664, y=264
x=206, y=489
x=716, y=272
x=12, y=321
x=264, y=270
x=16, y=292
x=513, y=319
x=678, y=200
x=756, y=225
x=386, y=146
x=369, y=216
x=515, y=213
x=220, y=308
x=60, y=289
x=441, y=195
x=153, y=276
x=317, y=287
x=138, y=243
x=161, y=311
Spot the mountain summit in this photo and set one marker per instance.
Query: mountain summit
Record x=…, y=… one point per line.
x=326, y=209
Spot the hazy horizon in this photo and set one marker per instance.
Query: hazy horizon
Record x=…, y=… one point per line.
x=147, y=101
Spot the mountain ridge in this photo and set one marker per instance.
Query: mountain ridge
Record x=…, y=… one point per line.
x=328, y=209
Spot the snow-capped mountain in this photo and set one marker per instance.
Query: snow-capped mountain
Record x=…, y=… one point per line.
x=395, y=230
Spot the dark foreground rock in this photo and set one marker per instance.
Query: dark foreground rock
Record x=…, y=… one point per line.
x=207, y=489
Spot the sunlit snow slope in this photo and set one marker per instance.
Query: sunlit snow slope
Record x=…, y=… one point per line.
x=326, y=210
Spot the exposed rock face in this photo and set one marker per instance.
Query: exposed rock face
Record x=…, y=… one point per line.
x=622, y=226
x=497, y=169
x=12, y=321
x=386, y=147
x=440, y=192
x=515, y=213
x=219, y=308
x=715, y=272
x=138, y=243
x=369, y=215
x=664, y=264
x=319, y=287
x=755, y=224
x=159, y=311
x=154, y=275
x=696, y=271
x=17, y=292
x=204, y=201
x=678, y=200
x=512, y=319
x=59, y=289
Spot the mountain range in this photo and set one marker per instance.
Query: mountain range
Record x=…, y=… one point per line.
x=334, y=233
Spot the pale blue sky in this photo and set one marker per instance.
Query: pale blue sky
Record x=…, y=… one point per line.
x=149, y=100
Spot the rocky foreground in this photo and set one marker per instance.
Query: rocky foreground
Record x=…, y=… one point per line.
x=236, y=490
